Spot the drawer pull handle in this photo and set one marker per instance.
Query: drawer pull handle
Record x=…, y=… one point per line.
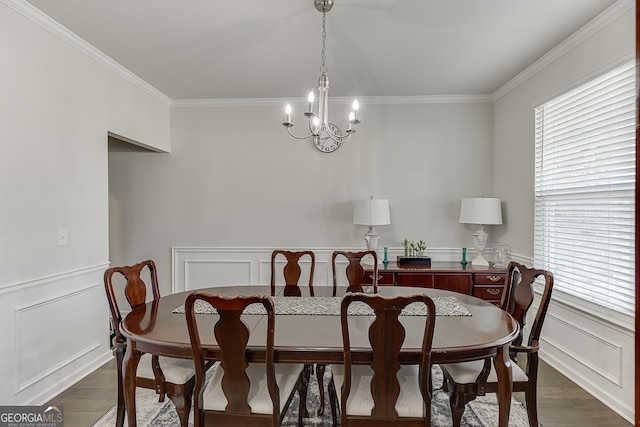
x=379, y=277
x=494, y=278
x=493, y=291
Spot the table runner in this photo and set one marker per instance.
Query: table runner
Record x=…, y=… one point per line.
x=330, y=306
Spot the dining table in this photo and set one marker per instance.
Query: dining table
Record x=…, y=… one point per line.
x=466, y=328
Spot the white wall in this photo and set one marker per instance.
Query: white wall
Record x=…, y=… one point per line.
x=593, y=348
x=57, y=107
x=235, y=178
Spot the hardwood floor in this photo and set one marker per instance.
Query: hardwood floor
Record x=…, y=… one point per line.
x=561, y=403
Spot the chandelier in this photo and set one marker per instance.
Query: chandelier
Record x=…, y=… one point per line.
x=326, y=136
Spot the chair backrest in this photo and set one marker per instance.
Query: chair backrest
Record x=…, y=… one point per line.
x=355, y=270
x=135, y=289
x=386, y=336
x=292, y=271
x=519, y=295
x=232, y=335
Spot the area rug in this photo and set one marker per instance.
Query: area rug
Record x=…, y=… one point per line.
x=482, y=412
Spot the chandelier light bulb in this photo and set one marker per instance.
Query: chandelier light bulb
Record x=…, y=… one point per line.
x=287, y=110
x=310, y=98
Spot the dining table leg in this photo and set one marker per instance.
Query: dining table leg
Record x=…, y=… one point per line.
x=129, y=369
x=502, y=364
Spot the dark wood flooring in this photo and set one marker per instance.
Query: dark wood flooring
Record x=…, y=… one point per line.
x=561, y=403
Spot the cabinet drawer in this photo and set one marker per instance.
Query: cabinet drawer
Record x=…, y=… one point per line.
x=384, y=279
x=489, y=278
x=412, y=279
x=453, y=282
x=488, y=293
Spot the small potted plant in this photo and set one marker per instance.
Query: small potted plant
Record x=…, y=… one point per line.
x=414, y=253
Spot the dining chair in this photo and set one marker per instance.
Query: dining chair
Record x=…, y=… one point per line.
x=355, y=270
x=292, y=271
x=239, y=393
x=355, y=274
x=170, y=376
x=465, y=381
x=383, y=392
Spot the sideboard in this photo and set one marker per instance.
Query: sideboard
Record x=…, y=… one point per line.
x=487, y=284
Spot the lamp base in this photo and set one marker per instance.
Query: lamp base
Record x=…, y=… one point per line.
x=371, y=237
x=480, y=262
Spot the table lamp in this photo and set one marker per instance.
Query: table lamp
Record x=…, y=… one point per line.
x=482, y=211
x=371, y=212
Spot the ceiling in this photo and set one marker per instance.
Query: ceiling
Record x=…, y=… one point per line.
x=205, y=49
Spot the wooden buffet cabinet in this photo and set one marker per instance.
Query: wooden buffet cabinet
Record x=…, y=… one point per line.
x=487, y=284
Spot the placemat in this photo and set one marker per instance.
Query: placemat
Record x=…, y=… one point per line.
x=330, y=306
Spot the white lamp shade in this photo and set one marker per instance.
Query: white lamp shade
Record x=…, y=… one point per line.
x=371, y=212
x=481, y=210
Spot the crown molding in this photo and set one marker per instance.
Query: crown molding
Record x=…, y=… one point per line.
x=44, y=21
x=595, y=25
x=370, y=100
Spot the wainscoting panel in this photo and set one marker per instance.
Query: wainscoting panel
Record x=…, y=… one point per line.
x=595, y=354
x=41, y=330
x=200, y=274
x=56, y=331
x=197, y=268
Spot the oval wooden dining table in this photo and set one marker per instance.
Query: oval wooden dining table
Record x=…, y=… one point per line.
x=485, y=331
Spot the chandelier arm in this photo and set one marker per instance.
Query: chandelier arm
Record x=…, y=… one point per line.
x=337, y=136
x=340, y=139
x=298, y=137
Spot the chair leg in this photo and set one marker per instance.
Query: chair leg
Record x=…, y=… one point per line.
x=120, y=408
x=303, y=391
x=182, y=403
x=333, y=401
x=302, y=394
x=320, y=377
x=531, y=399
x=456, y=415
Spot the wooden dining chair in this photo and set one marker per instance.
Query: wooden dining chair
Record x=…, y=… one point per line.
x=292, y=271
x=383, y=392
x=355, y=274
x=355, y=270
x=170, y=376
x=465, y=381
x=239, y=393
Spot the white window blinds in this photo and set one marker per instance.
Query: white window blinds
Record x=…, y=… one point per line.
x=584, y=190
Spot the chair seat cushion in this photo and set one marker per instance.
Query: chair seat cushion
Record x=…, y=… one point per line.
x=176, y=371
x=259, y=399
x=467, y=372
x=409, y=403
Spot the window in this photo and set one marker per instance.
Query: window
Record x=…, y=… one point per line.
x=584, y=191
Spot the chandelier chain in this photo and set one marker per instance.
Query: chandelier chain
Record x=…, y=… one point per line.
x=323, y=57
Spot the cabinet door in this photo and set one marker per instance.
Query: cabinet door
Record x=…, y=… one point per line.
x=462, y=283
x=424, y=280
